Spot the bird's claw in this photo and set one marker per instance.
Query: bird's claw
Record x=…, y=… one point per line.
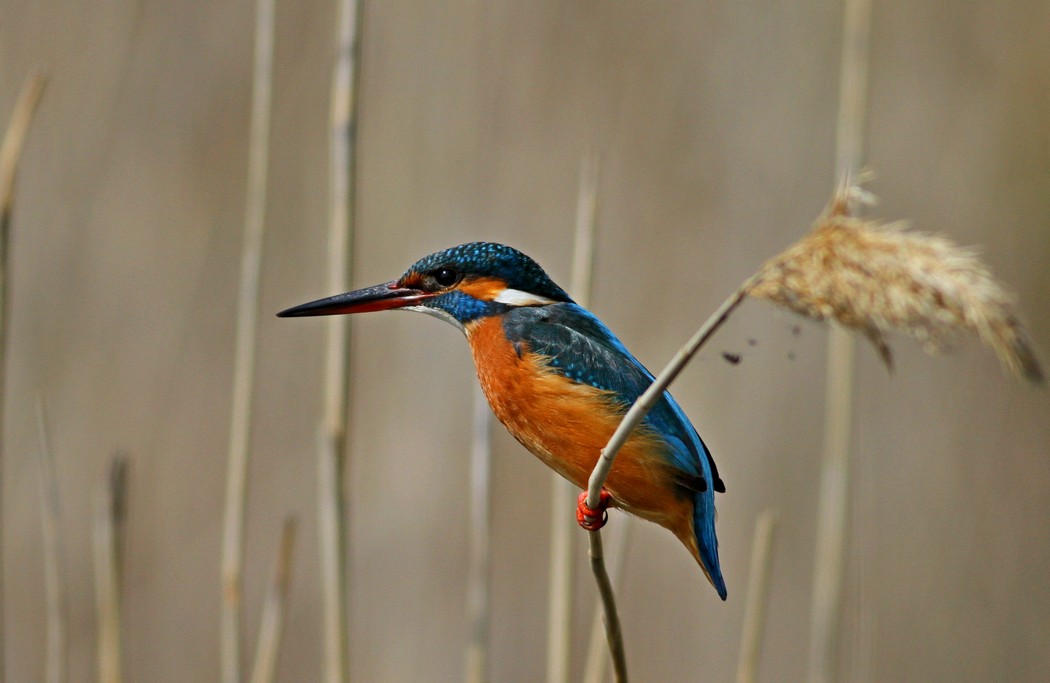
x=593, y=519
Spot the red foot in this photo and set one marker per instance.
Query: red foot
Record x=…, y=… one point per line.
x=589, y=519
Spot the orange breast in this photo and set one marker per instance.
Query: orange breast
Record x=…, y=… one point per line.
x=566, y=425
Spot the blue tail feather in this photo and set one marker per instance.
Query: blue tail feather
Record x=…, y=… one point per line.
x=706, y=541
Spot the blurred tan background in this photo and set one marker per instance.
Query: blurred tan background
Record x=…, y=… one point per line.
x=716, y=124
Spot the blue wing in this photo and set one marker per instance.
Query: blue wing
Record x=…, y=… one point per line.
x=583, y=349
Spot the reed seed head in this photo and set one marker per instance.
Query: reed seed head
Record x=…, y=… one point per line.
x=877, y=278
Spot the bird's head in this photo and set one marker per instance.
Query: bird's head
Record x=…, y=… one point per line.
x=459, y=285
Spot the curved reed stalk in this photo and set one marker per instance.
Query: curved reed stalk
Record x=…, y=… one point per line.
x=822, y=268
x=867, y=277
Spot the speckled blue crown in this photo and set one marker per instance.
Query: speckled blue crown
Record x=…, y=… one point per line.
x=494, y=260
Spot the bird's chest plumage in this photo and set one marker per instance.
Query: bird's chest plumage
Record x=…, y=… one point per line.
x=558, y=420
x=566, y=423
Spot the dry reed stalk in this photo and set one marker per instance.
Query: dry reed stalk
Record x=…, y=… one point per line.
x=479, y=610
x=835, y=494
x=332, y=438
x=10, y=154
x=877, y=278
x=596, y=664
x=582, y=275
x=56, y=666
x=833, y=506
x=613, y=631
x=757, y=597
x=275, y=607
x=244, y=353
x=479, y=560
x=14, y=140
x=110, y=513
x=559, y=620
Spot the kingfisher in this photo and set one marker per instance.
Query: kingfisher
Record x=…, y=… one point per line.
x=560, y=381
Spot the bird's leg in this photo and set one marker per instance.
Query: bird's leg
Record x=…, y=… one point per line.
x=593, y=519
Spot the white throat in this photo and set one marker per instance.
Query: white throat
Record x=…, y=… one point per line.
x=438, y=313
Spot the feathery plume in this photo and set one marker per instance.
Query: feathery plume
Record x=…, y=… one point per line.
x=876, y=278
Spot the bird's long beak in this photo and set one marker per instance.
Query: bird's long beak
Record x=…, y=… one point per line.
x=379, y=298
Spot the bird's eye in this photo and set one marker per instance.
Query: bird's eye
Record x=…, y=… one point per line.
x=445, y=277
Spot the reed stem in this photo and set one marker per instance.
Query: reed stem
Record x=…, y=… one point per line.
x=331, y=464
x=275, y=607
x=56, y=665
x=559, y=620
x=478, y=606
x=244, y=352
x=596, y=664
x=757, y=598
x=613, y=631
x=834, y=502
x=10, y=155
x=110, y=512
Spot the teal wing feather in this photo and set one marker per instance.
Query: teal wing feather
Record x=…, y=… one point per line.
x=583, y=349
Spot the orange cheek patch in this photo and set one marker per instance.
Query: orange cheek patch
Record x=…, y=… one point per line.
x=483, y=288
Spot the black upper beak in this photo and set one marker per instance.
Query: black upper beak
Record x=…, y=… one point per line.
x=379, y=298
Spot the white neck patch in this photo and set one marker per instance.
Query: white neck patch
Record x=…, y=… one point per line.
x=438, y=313
x=516, y=297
